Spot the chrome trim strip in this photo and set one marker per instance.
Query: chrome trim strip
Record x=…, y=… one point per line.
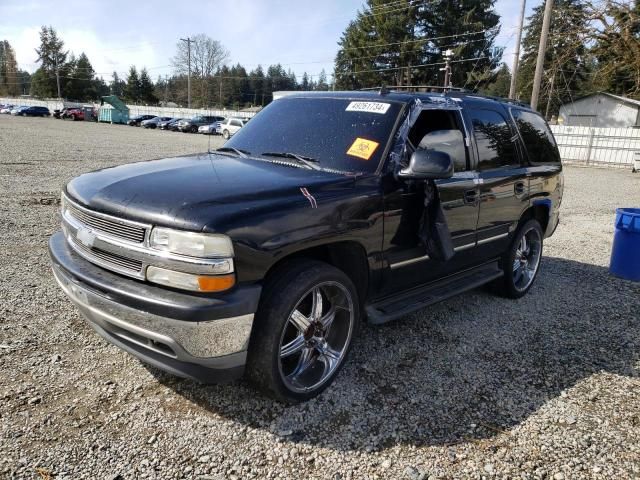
x=411, y=261
x=491, y=239
x=464, y=247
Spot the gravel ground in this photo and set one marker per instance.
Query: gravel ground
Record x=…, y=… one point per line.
x=477, y=387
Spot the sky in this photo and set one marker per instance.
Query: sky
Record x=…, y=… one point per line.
x=301, y=35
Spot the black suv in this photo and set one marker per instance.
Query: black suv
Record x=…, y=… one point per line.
x=326, y=209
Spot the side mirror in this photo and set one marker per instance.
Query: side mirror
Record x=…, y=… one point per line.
x=428, y=164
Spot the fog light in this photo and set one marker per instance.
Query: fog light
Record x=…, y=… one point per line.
x=189, y=281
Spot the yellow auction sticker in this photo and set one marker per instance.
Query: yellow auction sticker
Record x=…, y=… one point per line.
x=363, y=148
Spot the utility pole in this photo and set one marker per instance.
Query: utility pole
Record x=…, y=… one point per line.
x=189, y=42
x=447, y=69
x=516, y=53
x=542, y=47
x=58, y=77
x=552, y=83
x=166, y=89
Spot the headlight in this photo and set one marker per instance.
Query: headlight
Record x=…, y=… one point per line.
x=189, y=281
x=200, y=245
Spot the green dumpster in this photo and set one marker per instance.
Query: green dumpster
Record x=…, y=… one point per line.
x=113, y=110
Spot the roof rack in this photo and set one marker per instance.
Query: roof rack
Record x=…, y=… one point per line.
x=384, y=89
x=387, y=88
x=498, y=99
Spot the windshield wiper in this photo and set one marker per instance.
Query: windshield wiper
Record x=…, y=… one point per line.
x=237, y=151
x=310, y=162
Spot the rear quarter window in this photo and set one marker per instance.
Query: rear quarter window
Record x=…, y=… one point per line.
x=539, y=142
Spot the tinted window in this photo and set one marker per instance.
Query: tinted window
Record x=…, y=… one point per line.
x=537, y=137
x=494, y=139
x=323, y=128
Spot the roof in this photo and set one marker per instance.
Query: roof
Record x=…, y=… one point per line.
x=407, y=97
x=628, y=101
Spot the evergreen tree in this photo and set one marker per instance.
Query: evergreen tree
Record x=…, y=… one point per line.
x=146, y=88
x=402, y=42
x=617, y=49
x=9, y=84
x=257, y=86
x=322, y=81
x=79, y=84
x=566, y=60
x=305, y=85
x=132, y=87
x=378, y=45
x=500, y=84
x=454, y=25
x=117, y=86
x=52, y=57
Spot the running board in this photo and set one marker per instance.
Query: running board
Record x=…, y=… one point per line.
x=404, y=303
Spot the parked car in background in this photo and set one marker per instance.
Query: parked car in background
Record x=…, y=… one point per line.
x=230, y=126
x=35, y=112
x=212, y=128
x=18, y=109
x=136, y=121
x=166, y=124
x=6, y=108
x=196, y=122
x=153, y=122
x=72, y=114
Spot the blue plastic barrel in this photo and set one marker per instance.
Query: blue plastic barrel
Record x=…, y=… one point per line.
x=625, y=254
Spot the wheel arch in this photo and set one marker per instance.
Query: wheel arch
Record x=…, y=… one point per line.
x=348, y=256
x=539, y=210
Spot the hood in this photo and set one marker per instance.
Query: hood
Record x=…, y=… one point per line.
x=197, y=191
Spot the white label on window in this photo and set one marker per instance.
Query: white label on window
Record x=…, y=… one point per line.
x=370, y=107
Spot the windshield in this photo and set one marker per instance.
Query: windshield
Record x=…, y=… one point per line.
x=342, y=134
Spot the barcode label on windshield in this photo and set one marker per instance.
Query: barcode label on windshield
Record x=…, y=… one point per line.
x=370, y=107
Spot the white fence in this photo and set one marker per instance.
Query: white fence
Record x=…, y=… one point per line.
x=614, y=147
x=53, y=104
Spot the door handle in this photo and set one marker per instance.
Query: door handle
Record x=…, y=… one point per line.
x=519, y=188
x=470, y=196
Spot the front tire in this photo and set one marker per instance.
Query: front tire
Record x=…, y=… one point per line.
x=304, y=328
x=521, y=262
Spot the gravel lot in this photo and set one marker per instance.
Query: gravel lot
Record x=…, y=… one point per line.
x=477, y=387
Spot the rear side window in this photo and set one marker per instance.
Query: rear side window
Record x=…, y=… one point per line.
x=494, y=139
x=537, y=137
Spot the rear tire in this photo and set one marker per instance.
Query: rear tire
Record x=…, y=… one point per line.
x=225, y=134
x=521, y=262
x=303, y=331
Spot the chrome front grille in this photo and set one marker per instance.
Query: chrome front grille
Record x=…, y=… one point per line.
x=109, y=260
x=122, y=229
x=122, y=245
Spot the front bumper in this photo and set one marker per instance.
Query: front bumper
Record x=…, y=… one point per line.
x=189, y=335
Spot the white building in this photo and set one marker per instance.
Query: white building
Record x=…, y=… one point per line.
x=601, y=110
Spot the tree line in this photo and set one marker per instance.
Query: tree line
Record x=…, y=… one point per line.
x=213, y=82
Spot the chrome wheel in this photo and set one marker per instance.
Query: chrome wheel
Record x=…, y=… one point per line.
x=316, y=337
x=527, y=259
